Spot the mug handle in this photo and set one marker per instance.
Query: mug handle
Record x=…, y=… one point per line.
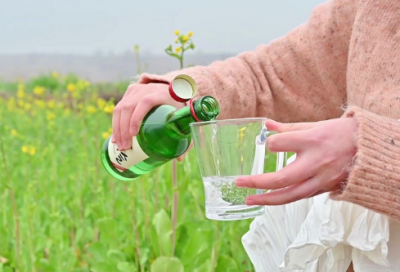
x=281, y=160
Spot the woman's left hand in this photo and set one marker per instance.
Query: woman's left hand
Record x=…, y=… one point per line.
x=324, y=152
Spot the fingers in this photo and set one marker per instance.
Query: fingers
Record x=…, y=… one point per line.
x=116, y=118
x=116, y=126
x=144, y=105
x=286, y=195
x=138, y=100
x=125, y=117
x=293, y=141
x=291, y=174
x=285, y=127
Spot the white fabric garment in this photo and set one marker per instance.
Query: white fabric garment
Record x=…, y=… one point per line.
x=322, y=235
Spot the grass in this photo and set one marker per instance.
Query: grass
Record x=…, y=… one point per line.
x=61, y=211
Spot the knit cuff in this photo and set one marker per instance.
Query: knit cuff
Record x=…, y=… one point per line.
x=374, y=179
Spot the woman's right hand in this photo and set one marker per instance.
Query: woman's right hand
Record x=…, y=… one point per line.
x=137, y=101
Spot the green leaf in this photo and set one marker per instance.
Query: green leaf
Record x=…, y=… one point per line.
x=226, y=264
x=204, y=267
x=103, y=267
x=145, y=255
x=126, y=267
x=108, y=230
x=165, y=264
x=163, y=227
x=199, y=246
x=7, y=269
x=99, y=251
x=78, y=235
x=116, y=255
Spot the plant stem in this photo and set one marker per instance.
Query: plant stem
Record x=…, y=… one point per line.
x=215, y=250
x=156, y=191
x=135, y=229
x=174, y=206
x=181, y=58
x=13, y=203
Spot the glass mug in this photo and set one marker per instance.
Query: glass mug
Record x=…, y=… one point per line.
x=225, y=150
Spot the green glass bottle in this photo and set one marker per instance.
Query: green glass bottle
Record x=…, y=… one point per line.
x=164, y=135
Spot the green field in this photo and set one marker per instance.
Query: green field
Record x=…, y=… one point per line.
x=60, y=210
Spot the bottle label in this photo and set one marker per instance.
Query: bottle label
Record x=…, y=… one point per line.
x=123, y=160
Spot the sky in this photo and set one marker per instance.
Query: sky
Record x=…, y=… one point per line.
x=114, y=26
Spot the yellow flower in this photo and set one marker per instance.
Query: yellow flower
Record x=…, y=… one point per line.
x=25, y=149
x=176, y=40
x=178, y=49
x=50, y=116
x=14, y=133
x=38, y=90
x=11, y=104
x=51, y=104
x=101, y=103
x=54, y=75
x=67, y=112
x=91, y=109
x=20, y=91
x=109, y=108
x=32, y=150
x=71, y=87
x=176, y=32
x=185, y=38
x=82, y=84
x=94, y=96
x=106, y=135
x=27, y=106
x=242, y=133
x=20, y=103
x=190, y=33
x=40, y=103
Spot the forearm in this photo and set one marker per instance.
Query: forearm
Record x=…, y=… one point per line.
x=299, y=77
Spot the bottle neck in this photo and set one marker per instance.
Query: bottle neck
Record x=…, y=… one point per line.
x=203, y=109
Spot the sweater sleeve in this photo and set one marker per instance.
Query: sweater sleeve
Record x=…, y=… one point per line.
x=298, y=77
x=374, y=177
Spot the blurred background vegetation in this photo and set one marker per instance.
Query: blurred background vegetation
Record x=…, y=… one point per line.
x=59, y=209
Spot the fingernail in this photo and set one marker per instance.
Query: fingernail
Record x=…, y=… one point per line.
x=250, y=201
x=120, y=147
x=126, y=145
x=273, y=122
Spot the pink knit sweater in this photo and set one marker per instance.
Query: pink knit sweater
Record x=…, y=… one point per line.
x=344, y=62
